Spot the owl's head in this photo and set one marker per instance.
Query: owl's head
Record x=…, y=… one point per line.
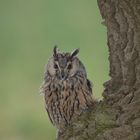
x=64, y=65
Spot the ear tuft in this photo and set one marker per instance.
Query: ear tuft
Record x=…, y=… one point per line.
x=75, y=52
x=55, y=51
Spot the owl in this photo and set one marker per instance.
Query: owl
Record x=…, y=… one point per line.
x=66, y=89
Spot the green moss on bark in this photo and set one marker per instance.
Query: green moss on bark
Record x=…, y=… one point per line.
x=90, y=124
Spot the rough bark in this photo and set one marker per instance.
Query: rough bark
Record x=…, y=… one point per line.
x=117, y=117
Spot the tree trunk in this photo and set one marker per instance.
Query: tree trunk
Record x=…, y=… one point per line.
x=117, y=117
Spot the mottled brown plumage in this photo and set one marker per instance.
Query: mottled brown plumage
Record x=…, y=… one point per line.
x=66, y=89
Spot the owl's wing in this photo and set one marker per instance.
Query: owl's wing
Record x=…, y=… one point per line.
x=49, y=116
x=89, y=85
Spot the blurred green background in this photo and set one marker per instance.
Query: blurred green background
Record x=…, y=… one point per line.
x=28, y=31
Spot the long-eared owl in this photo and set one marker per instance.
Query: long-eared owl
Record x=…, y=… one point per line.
x=66, y=89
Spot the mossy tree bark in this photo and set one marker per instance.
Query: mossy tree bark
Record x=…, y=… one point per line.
x=117, y=117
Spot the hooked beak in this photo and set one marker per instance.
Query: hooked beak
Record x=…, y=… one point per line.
x=63, y=75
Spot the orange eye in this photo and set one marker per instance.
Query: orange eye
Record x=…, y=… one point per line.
x=70, y=66
x=55, y=66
